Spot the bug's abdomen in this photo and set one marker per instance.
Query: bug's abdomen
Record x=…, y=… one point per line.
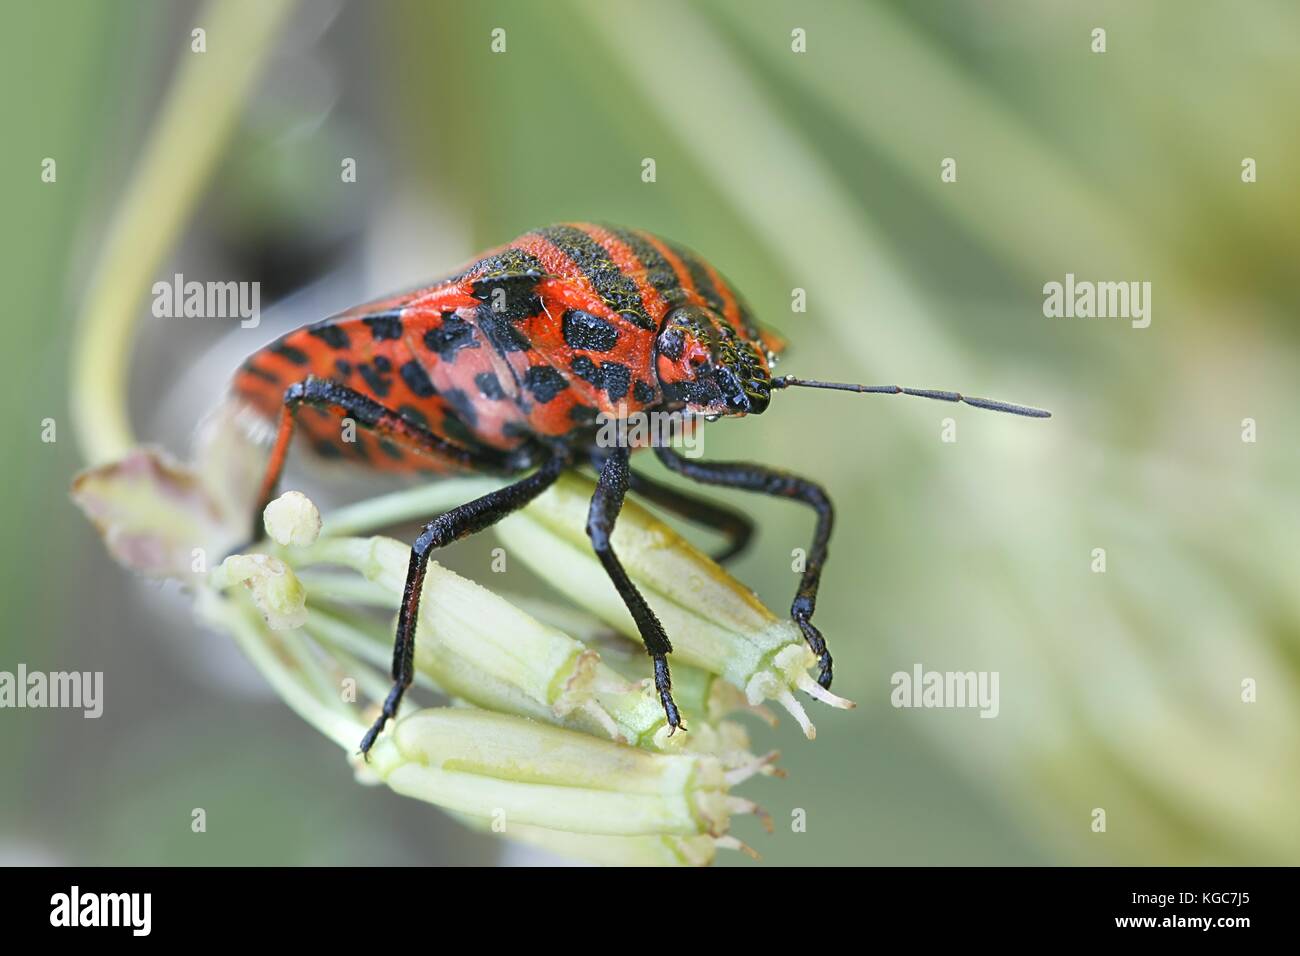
x=423, y=356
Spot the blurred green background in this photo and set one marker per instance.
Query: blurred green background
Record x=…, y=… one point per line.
x=818, y=170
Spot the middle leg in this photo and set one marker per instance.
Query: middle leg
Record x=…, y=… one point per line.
x=606, y=503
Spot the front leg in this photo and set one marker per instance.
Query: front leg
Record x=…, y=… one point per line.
x=451, y=526
x=782, y=484
x=606, y=503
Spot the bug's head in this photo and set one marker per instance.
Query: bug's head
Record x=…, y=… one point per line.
x=704, y=364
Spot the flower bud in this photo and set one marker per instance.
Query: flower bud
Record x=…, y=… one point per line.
x=500, y=767
x=480, y=648
x=291, y=520
x=276, y=590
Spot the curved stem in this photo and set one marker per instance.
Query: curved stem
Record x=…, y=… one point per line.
x=193, y=125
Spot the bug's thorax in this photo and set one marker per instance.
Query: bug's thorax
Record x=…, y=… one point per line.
x=705, y=365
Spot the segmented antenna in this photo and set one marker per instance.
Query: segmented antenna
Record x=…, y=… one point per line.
x=992, y=405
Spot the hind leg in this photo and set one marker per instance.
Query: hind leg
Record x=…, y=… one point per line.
x=781, y=484
x=460, y=522
x=366, y=412
x=734, y=526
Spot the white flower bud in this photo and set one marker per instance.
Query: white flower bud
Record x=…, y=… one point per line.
x=292, y=521
x=276, y=590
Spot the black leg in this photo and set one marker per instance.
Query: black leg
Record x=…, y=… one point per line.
x=736, y=527
x=606, y=503
x=770, y=481
x=369, y=414
x=451, y=526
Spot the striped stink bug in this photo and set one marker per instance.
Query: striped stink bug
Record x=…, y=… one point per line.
x=506, y=367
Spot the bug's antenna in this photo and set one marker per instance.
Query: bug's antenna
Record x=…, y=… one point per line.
x=785, y=381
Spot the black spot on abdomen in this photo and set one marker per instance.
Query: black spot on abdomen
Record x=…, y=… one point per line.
x=449, y=338
x=463, y=406
x=489, y=385
x=388, y=326
x=643, y=393
x=587, y=332
x=544, y=383
x=263, y=374
x=331, y=335
x=417, y=379
x=500, y=331
x=376, y=375
x=296, y=356
x=613, y=377
x=617, y=379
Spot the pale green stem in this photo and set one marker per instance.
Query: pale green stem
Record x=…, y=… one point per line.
x=371, y=683
x=421, y=503
x=343, y=633
x=348, y=587
x=323, y=685
x=236, y=616
x=194, y=124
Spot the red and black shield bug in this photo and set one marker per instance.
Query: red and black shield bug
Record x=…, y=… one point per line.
x=506, y=368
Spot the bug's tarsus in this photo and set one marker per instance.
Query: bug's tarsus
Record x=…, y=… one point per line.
x=780, y=484
x=989, y=404
x=606, y=503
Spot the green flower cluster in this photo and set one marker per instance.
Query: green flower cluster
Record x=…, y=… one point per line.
x=550, y=733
